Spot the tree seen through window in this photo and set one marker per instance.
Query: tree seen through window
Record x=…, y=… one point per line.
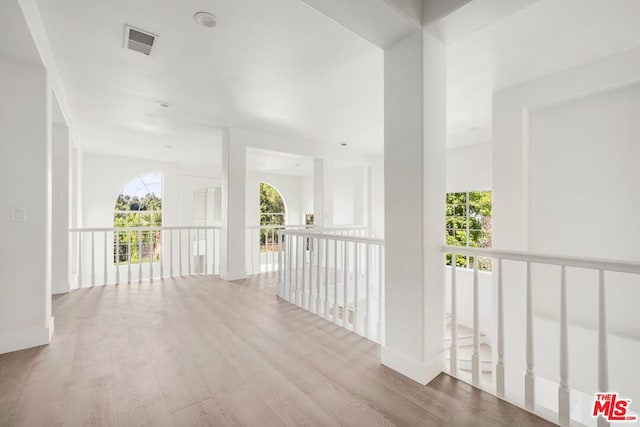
x=468, y=216
x=138, y=212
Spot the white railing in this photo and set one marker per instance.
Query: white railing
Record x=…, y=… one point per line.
x=264, y=248
x=337, y=277
x=526, y=260
x=348, y=230
x=161, y=252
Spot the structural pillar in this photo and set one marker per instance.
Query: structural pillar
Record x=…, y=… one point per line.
x=25, y=205
x=232, y=247
x=322, y=192
x=414, y=165
x=61, y=209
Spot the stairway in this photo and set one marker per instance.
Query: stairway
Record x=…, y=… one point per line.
x=465, y=350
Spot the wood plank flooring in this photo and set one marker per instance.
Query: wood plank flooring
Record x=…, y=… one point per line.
x=200, y=351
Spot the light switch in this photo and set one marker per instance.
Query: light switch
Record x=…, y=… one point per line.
x=19, y=215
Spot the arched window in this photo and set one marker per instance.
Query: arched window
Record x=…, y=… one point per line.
x=273, y=213
x=139, y=210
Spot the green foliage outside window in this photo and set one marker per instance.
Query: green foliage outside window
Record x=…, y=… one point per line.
x=272, y=213
x=468, y=216
x=137, y=246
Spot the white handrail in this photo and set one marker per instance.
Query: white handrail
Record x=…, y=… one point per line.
x=338, y=237
x=144, y=228
x=537, y=258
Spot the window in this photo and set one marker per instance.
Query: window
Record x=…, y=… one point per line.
x=272, y=214
x=139, y=205
x=469, y=224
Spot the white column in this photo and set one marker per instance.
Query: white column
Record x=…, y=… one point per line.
x=322, y=192
x=25, y=206
x=359, y=196
x=415, y=138
x=76, y=210
x=232, y=255
x=61, y=209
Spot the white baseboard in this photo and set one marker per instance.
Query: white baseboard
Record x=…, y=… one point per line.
x=418, y=371
x=26, y=338
x=230, y=276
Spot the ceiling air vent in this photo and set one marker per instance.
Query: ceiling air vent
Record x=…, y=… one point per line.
x=138, y=40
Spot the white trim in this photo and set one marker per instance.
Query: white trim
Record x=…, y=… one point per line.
x=26, y=338
x=416, y=370
x=231, y=276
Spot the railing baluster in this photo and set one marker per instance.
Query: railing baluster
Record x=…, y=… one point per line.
x=198, y=256
x=273, y=254
x=564, y=409
x=529, y=385
x=161, y=234
x=309, y=253
x=318, y=253
x=603, y=356
x=139, y=256
x=206, y=251
x=151, y=253
x=475, y=358
x=213, y=253
x=189, y=249
x=93, y=259
x=367, y=305
x=116, y=237
x=180, y=251
x=355, y=286
x=106, y=276
x=380, y=294
x=171, y=253
x=79, y=259
x=335, y=281
x=344, y=284
x=129, y=257
x=453, y=350
x=500, y=366
x=299, y=253
x=326, y=278
x=289, y=249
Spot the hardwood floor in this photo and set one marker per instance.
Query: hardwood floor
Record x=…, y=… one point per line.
x=199, y=351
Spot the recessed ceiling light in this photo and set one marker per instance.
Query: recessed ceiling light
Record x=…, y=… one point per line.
x=205, y=19
x=344, y=144
x=162, y=104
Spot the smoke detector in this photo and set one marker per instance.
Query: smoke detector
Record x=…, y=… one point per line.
x=205, y=19
x=139, y=40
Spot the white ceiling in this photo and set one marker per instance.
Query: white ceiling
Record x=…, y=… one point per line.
x=277, y=66
x=544, y=38
x=278, y=163
x=286, y=69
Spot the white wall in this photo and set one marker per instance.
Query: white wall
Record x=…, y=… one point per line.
x=564, y=175
x=344, y=196
x=104, y=177
x=25, y=173
x=469, y=167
